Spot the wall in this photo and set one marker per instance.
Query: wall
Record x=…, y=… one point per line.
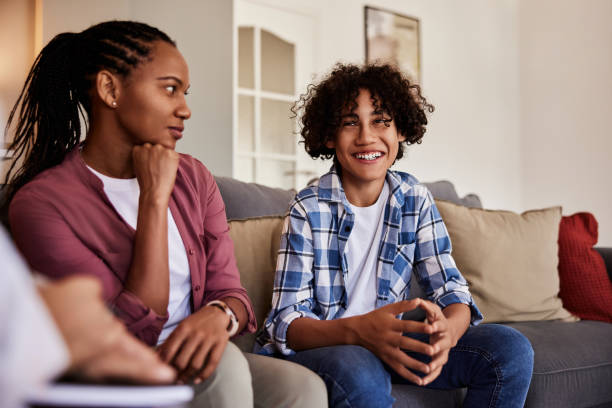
x=566, y=107
x=16, y=56
x=521, y=88
x=470, y=73
x=203, y=32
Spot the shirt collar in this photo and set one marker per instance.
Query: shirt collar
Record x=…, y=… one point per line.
x=330, y=188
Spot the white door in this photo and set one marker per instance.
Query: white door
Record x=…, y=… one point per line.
x=275, y=63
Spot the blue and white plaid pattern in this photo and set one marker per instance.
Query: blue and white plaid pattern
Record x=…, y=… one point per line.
x=311, y=268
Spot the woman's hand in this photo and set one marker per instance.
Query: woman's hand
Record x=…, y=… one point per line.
x=195, y=347
x=155, y=167
x=381, y=332
x=100, y=347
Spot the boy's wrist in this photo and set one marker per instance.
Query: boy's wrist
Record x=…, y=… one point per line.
x=350, y=328
x=457, y=319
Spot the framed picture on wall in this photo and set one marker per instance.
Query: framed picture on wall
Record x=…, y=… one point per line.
x=393, y=38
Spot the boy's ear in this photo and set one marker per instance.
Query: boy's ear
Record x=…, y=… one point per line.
x=108, y=88
x=330, y=144
x=401, y=137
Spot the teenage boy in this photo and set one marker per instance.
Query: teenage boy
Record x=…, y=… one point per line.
x=352, y=244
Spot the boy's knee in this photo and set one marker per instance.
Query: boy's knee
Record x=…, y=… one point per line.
x=355, y=374
x=513, y=351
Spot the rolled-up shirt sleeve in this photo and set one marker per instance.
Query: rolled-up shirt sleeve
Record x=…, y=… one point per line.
x=293, y=292
x=435, y=268
x=52, y=249
x=222, y=275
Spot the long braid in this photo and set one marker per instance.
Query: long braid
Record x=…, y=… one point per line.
x=55, y=96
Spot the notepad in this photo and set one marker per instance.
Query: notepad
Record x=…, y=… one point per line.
x=88, y=395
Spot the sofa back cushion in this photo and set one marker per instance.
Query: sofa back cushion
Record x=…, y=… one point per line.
x=509, y=260
x=247, y=200
x=445, y=190
x=256, y=243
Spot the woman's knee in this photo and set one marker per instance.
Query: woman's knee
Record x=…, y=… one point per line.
x=229, y=385
x=234, y=366
x=280, y=383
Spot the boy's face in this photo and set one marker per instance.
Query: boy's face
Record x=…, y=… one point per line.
x=366, y=143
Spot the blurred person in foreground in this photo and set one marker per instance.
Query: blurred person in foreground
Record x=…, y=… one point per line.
x=62, y=327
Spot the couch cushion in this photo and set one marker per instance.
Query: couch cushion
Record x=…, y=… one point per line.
x=573, y=363
x=256, y=243
x=409, y=396
x=248, y=200
x=509, y=260
x=445, y=190
x=585, y=287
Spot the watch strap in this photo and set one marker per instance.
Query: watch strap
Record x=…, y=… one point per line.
x=232, y=327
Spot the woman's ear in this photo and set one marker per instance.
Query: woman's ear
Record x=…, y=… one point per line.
x=400, y=137
x=108, y=88
x=330, y=144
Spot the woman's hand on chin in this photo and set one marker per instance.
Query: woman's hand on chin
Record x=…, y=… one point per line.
x=155, y=167
x=195, y=347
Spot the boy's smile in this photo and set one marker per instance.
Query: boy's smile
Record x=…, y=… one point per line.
x=366, y=146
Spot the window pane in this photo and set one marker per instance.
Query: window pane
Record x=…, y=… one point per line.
x=246, y=60
x=245, y=169
x=277, y=127
x=277, y=64
x=276, y=173
x=246, y=123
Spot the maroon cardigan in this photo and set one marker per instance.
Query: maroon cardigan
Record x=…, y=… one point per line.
x=64, y=224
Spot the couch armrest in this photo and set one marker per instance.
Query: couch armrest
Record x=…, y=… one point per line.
x=606, y=253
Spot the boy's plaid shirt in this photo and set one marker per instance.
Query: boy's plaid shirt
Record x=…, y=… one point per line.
x=311, y=268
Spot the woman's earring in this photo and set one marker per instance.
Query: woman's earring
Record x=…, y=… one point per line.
x=114, y=104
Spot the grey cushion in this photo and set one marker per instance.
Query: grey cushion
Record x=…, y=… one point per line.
x=247, y=200
x=445, y=190
x=606, y=253
x=410, y=396
x=573, y=363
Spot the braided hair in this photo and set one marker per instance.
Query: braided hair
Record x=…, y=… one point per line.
x=55, y=96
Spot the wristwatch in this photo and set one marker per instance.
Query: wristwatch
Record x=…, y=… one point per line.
x=232, y=327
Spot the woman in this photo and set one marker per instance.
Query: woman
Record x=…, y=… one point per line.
x=125, y=207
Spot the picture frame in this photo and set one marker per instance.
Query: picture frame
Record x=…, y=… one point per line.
x=393, y=38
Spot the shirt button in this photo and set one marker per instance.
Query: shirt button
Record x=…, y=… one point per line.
x=347, y=229
x=197, y=288
x=191, y=251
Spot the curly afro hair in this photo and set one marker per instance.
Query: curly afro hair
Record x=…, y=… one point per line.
x=323, y=104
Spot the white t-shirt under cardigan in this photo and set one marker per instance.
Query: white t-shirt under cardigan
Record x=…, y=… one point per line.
x=123, y=195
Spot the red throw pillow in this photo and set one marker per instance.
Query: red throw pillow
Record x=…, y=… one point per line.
x=585, y=287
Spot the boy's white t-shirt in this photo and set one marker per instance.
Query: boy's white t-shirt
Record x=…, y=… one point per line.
x=362, y=256
x=124, y=194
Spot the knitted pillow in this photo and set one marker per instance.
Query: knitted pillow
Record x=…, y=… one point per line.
x=585, y=287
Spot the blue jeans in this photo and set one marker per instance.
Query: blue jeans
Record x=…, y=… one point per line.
x=494, y=362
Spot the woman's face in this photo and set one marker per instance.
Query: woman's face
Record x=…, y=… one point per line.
x=151, y=105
